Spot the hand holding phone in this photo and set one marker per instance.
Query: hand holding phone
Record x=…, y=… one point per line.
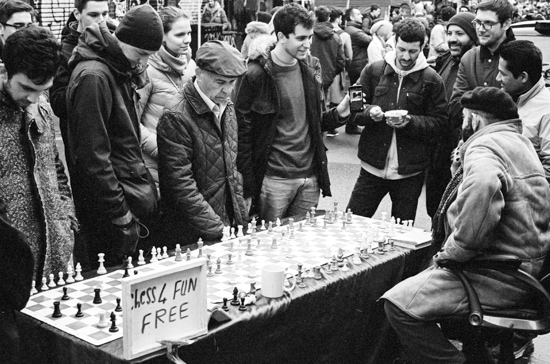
x=356, y=98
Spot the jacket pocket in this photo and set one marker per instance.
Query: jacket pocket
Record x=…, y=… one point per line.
x=414, y=103
x=380, y=91
x=139, y=190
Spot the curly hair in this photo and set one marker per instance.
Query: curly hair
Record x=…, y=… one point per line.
x=410, y=30
x=289, y=16
x=33, y=51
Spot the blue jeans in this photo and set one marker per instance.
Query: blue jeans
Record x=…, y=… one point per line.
x=369, y=190
x=283, y=197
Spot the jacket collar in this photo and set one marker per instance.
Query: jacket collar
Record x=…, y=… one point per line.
x=533, y=92
x=195, y=99
x=484, y=52
x=512, y=125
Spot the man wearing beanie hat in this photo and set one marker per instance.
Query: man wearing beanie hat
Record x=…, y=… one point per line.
x=499, y=203
x=111, y=185
x=201, y=189
x=438, y=41
x=461, y=37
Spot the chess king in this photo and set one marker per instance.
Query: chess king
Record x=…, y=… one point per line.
x=33, y=186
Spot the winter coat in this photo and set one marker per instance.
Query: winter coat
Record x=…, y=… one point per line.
x=108, y=174
x=214, y=15
x=502, y=207
x=326, y=45
x=257, y=104
x=197, y=165
x=167, y=75
x=40, y=207
x=422, y=94
x=359, y=43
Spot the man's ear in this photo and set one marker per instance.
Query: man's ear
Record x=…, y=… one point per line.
x=507, y=23
x=280, y=36
x=77, y=14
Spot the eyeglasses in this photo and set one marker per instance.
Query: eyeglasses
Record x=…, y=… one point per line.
x=18, y=26
x=487, y=25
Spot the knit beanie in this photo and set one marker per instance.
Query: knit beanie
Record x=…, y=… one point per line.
x=491, y=100
x=141, y=27
x=464, y=21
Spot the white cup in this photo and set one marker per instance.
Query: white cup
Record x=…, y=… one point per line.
x=273, y=278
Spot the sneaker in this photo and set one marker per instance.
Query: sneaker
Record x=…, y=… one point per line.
x=354, y=130
x=332, y=133
x=522, y=349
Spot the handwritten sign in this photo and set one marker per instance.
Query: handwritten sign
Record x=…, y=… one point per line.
x=166, y=303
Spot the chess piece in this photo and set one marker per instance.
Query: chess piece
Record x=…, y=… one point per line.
x=270, y=227
x=200, y=244
x=97, y=296
x=60, y=281
x=262, y=227
x=78, y=277
x=101, y=269
x=51, y=282
x=345, y=267
x=242, y=307
x=178, y=258
x=126, y=274
x=313, y=211
x=300, y=226
x=141, y=258
x=235, y=300
x=79, y=310
x=357, y=256
x=232, y=245
x=240, y=231
x=232, y=236
x=225, y=307
x=340, y=258
x=159, y=254
x=65, y=296
x=229, y=261
x=102, y=321
x=302, y=284
x=153, y=255
x=70, y=272
x=274, y=243
x=218, y=266
x=349, y=216
x=188, y=254
x=209, y=274
x=327, y=269
x=308, y=218
x=344, y=225
x=253, y=288
x=56, y=310
x=44, y=286
x=118, y=308
x=314, y=221
x=113, y=327
x=129, y=263
x=165, y=252
x=317, y=273
x=249, y=248
x=334, y=264
x=33, y=288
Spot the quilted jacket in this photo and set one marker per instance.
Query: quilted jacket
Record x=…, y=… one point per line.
x=198, y=167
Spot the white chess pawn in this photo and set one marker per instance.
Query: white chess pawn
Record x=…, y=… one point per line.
x=345, y=268
x=159, y=253
x=78, y=271
x=178, y=253
x=51, y=283
x=239, y=231
x=33, y=288
x=60, y=281
x=70, y=273
x=103, y=320
x=165, y=252
x=130, y=265
x=153, y=255
x=141, y=258
x=101, y=269
x=44, y=286
x=232, y=236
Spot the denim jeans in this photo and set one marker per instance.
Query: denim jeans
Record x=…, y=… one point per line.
x=283, y=197
x=422, y=342
x=369, y=190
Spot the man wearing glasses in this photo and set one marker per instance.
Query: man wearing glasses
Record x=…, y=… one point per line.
x=14, y=15
x=479, y=66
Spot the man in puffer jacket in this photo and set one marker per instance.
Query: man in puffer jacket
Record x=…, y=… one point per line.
x=201, y=188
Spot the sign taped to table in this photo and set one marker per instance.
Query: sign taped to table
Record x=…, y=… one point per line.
x=164, y=304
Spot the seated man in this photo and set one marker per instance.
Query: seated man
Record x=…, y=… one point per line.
x=502, y=206
x=201, y=189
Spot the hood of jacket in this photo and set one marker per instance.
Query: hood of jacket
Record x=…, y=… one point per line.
x=70, y=34
x=257, y=27
x=420, y=64
x=323, y=30
x=261, y=46
x=166, y=62
x=98, y=44
x=354, y=24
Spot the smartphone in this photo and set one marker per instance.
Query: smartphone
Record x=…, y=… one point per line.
x=355, y=98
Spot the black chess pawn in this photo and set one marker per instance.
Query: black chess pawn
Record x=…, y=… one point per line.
x=242, y=307
x=56, y=310
x=65, y=296
x=113, y=327
x=235, y=300
x=118, y=308
x=79, y=310
x=126, y=274
x=97, y=297
x=225, y=307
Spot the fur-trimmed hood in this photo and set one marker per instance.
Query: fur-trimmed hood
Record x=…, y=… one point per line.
x=256, y=27
x=261, y=46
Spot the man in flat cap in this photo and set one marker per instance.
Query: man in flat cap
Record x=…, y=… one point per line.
x=113, y=192
x=200, y=186
x=498, y=202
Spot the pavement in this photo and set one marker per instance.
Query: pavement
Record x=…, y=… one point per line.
x=344, y=167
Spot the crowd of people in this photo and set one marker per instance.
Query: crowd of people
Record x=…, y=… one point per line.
x=163, y=148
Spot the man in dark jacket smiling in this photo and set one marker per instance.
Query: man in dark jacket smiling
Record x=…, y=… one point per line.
x=197, y=141
x=111, y=184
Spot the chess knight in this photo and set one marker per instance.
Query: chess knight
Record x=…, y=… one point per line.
x=498, y=202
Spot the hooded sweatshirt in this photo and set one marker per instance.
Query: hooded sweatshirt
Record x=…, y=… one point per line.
x=327, y=46
x=107, y=169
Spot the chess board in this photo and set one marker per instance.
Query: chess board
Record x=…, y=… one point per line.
x=310, y=245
